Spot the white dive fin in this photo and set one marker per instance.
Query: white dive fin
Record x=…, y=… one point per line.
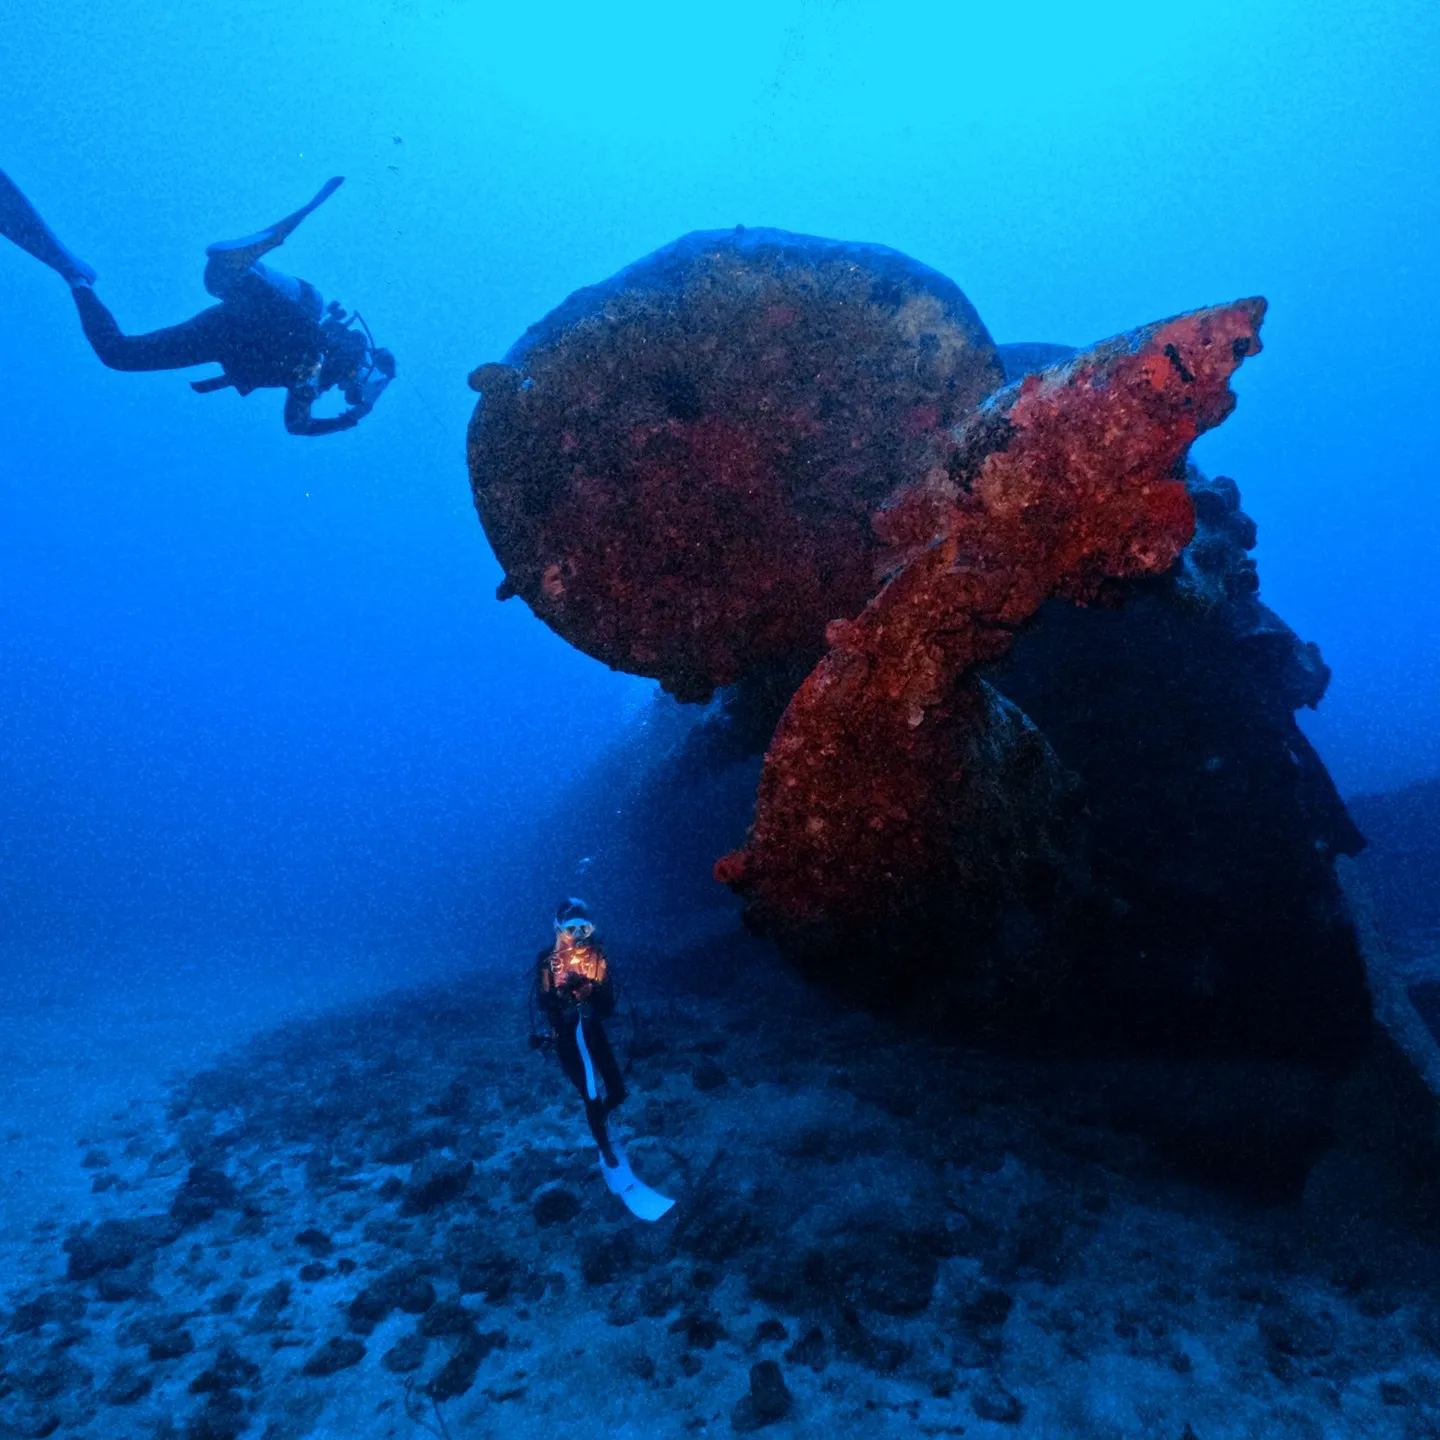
x=640, y=1200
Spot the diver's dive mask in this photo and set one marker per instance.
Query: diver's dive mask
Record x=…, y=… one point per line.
x=577, y=931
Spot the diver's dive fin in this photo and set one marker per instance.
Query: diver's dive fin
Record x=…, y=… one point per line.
x=249, y=248
x=20, y=221
x=640, y=1200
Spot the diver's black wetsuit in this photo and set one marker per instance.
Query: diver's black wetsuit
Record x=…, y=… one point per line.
x=266, y=332
x=565, y=1017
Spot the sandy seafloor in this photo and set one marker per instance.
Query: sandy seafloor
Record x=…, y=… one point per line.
x=393, y=1192
x=78, y=1040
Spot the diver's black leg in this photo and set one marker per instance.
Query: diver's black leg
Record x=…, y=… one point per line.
x=568, y=1049
x=595, y=1114
x=605, y=1063
x=568, y=1053
x=194, y=342
x=228, y=277
x=21, y=222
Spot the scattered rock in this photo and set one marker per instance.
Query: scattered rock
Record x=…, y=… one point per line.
x=707, y=1075
x=658, y=1294
x=714, y=1225
x=1038, y=1242
x=605, y=1257
x=769, y=1399
x=458, y=1373
x=480, y=1266
x=555, y=1206
x=49, y=1307
x=416, y=1295
x=898, y=1280
x=702, y=1329
x=435, y=1180
x=222, y=1417
x=250, y=1223
x=447, y=1318
x=127, y=1283
x=171, y=1344
x=266, y=1315
x=454, y=1104
x=810, y=1349
x=45, y=1376
x=317, y=1242
x=404, y=1151
x=779, y=1276
x=163, y=1335
x=113, y=1244
x=28, y=1420
x=127, y=1384
x=339, y=1352
x=206, y=1190
x=1299, y=1333
x=401, y=1288
x=989, y=1310
x=876, y=1352
x=393, y=1234
x=455, y=1376
x=405, y=1355
x=990, y=1400
x=230, y=1371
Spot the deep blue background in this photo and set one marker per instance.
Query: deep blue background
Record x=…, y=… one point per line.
x=254, y=690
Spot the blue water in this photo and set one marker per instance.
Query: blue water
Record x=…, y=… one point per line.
x=269, y=744
x=255, y=688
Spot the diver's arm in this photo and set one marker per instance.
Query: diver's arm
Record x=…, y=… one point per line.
x=299, y=420
x=550, y=1003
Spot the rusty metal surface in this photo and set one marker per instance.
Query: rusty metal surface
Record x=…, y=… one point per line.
x=677, y=468
x=1069, y=479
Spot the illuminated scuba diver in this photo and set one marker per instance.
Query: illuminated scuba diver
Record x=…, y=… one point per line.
x=269, y=331
x=576, y=994
x=575, y=991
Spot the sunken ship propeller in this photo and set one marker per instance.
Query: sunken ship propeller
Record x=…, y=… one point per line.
x=1030, y=754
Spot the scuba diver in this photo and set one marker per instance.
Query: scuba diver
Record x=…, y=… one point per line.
x=576, y=993
x=269, y=331
x=574, y=988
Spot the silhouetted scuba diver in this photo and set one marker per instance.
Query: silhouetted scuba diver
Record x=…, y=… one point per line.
x=268, y=331
x=575, y=991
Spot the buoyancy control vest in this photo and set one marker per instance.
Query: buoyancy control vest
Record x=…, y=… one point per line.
x=267, y=338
